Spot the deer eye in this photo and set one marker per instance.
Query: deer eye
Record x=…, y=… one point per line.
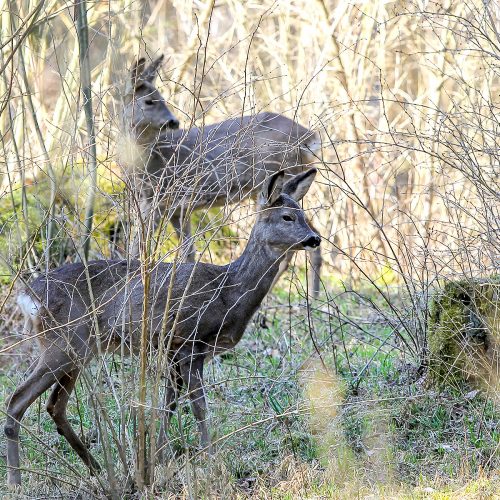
x=149, y=102
x=289, y=218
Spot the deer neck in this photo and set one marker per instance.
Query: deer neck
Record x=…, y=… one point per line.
x=255, y=270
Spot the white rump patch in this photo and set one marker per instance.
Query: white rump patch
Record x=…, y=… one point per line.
x=312, y=147
x=29, y=306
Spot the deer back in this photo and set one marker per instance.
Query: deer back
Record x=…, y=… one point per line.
x=228, y=161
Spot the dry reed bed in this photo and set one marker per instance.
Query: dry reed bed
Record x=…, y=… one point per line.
x=403, y=95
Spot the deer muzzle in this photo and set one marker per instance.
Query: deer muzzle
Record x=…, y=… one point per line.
x=311, y=242
x=173, y=124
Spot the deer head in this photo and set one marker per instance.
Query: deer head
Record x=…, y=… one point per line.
x=145, y=109
x=281, y=225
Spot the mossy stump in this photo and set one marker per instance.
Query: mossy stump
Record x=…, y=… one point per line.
x=464, y=333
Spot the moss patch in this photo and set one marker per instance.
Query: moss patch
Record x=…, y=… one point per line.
x=464, y=333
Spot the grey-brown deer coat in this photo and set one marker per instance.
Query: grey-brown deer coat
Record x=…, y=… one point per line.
x=76, y=310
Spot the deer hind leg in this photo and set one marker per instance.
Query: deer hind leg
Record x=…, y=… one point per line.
x=192, y=376
x=174, y=386
x=316, y=261
x=56, y=406
x=43, y=376
x=183, y=230
x=315, y=272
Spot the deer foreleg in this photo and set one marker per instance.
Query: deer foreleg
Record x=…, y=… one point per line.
x=192, y=376
x=183, y=230
x=174, y=385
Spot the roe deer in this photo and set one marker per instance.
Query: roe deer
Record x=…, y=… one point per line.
x=209, y=166
x=196, y=312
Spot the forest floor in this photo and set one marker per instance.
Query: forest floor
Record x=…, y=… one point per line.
x=337, y=413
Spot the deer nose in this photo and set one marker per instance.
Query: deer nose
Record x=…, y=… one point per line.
x=173, y=124
x=312, y=242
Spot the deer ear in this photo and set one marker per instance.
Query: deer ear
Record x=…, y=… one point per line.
x=137, y=70
x=271, y=189
x=298, y=186
x=151, y=71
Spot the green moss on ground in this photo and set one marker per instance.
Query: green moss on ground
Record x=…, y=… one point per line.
x=464, y=332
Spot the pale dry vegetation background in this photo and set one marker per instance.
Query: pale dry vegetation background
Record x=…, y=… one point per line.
x=405, y=96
